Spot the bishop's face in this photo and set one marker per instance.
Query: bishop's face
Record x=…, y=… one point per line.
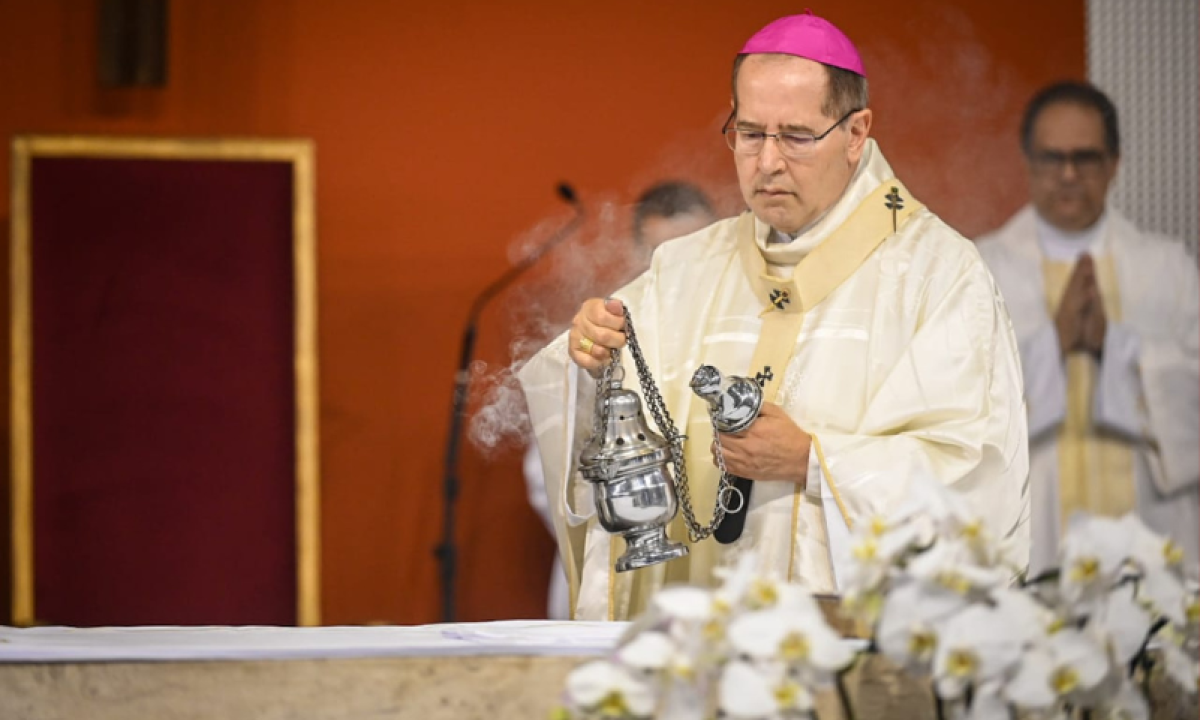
x=782, y=93
x=1069, y=165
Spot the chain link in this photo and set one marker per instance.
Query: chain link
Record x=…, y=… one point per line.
x=603, y=397
x=726, y=485
x=658, y=409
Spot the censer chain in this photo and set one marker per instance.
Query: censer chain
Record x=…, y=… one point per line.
x=662, y=418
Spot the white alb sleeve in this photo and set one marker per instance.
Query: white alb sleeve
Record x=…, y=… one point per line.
x=1119, y=390
x=1045, y=381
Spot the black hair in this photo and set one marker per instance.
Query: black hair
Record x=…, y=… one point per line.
x=668, y=199
x=1077, y=93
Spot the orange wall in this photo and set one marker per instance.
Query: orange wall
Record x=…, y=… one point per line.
x=441, y=129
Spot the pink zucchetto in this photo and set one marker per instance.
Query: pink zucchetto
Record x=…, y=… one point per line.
x=810, y=37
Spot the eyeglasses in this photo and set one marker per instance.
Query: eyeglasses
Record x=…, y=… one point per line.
x=792, y=145
x=1085, y=162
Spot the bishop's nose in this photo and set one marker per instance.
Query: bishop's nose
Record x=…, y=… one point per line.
x=770, y=160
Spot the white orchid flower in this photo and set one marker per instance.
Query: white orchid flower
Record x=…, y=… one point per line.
x=936, y=583
x=656, y=655
x=898, y=538
x=1191, y=591
x=1160, y=560
x=678, y=659
x=1123, y=622
x=610, y=690
x=684, y=602
x=741, y=587
x=696, y=625
x=874, y=551
x=1148, y=549
x=1164, y=594
x=744, y=692
x=952, y=514
x=975, y=646
x=768, y=593
x=1093, y=554
x=1069, y=664
x=909, y=623
x=964, y=524
x=794, y=598
x=797, y=637
x=648, y=651
x=1189, y=632
x=735, y=582
x=1182, y=666
x=1028, y=620
x=761, y=691
x=989, y=703
x=1114, y=698
x=864, y=581
x=866, y=567
x=953, y=565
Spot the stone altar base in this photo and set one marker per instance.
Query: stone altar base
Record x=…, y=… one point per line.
x=463, y=688
x=491, y=671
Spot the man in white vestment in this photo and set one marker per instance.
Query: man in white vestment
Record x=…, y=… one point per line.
x=875, y=331
x=1108, y=320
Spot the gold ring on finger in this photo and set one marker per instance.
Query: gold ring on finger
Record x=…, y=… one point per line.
x=585, y=344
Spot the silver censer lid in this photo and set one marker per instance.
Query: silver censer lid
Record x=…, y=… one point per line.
x=628, y=464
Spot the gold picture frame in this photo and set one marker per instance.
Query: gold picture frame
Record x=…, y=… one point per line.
x=301, y=156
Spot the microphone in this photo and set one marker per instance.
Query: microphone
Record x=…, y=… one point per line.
x=446, y=552
x=567, y=193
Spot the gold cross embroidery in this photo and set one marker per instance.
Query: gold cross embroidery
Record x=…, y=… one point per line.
x=779, y=298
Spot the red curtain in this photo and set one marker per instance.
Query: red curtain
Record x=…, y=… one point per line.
x=163, y=395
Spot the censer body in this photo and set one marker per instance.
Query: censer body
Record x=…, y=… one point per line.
x=627, y=464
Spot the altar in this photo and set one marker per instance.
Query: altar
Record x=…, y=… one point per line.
x=478, y=670
x=468, y=671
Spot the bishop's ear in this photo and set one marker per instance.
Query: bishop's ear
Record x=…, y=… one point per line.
x=859, y=125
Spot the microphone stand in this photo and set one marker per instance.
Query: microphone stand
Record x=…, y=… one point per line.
x=447, y=552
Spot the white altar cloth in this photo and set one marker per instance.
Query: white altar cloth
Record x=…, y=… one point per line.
x=153, y=643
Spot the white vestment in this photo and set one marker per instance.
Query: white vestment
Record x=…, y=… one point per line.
x=908, y=366
x=1148, y=383
x=558, y=600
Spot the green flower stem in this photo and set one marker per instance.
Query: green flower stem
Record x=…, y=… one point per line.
x=1140, y=657
x=939, y=707
x=1047, y=576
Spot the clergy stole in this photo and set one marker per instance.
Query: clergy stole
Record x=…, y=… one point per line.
x=1095, y=466
x=785, y=301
